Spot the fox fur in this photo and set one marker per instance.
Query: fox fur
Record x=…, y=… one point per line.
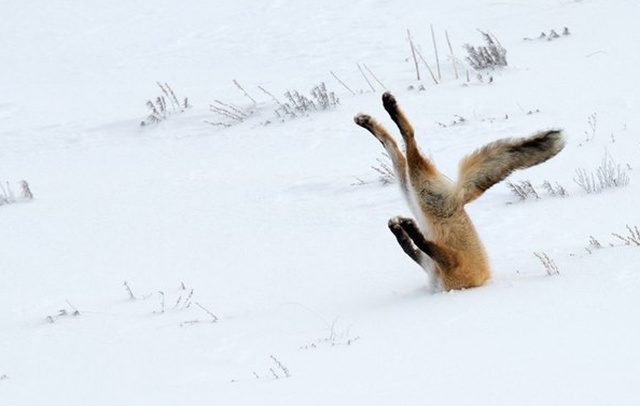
x=453, y=251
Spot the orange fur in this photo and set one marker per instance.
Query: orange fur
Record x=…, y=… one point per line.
x=458, y=256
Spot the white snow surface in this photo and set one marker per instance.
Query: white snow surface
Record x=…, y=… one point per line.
x=263, y=223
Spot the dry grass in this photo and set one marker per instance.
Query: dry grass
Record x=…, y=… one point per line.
x=164, y=105
x=490, y=55
x=548, y=263
x=607, y=175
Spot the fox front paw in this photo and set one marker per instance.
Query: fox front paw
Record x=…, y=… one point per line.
x=395, y=222
x=395, y=228
x=407, y=223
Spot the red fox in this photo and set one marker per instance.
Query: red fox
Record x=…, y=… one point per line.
x=453, y=251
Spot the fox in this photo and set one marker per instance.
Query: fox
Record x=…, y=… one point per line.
x=442, y=239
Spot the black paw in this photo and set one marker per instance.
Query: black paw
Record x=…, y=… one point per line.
x=389, y=102
x=407, y=223
x=396, y=229
x=394, y=222
x=363, y=120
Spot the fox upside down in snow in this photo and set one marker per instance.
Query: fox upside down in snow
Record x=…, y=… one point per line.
x=453, y=251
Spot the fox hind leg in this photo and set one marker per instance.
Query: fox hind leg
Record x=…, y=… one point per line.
x=427, y=184
x=391, y=105
x=391, y=147
x=415, y=160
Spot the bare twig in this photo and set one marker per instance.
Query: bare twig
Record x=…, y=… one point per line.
x=159, y=109
x=166, y=89
x=175, y=306
x=128, y=289
x=548, y=263
x=384, y=170
x=373, y=89
x=373, y=75
x=284, y=369
x=75, y=311
x=214, y=318
x=428, y=67
x=217, y=123
x=235, y=82
x=632, y=238
x=187, y=301
x=342, y=83
x=275, y=99
x=26, y=191
x=232, y=107
x=453, y=57
x=161, y=301
x=593, y=243
x=226, y=113
x=413, y=53
x=358, y=182
x=435, y=49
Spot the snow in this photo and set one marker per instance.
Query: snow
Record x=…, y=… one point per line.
x=263, y=223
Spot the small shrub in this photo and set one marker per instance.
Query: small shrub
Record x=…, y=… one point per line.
x=129, y=291
x=182, y=301
x=384, y=170
x=553, y=34
x=607, y=175
x=299, y=105
x=26, y=191
x=457, y=120
x=523, y=190
x=229, y=111
x=557, y=190
x=337, y=336
x=64, y=312
x=593, y=245
x=632, y=237
x=281, y=367
x=277, y=371
x=295, y=104
x=8, y=197
x=548, y=263
x=491, y=55
x=386, y=175
x=592, y=122
x=6, y=194
x=160, y=109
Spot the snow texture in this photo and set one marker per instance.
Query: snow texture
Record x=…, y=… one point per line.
x=256, y=271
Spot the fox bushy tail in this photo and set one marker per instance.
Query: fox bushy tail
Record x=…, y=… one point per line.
x=495, y=161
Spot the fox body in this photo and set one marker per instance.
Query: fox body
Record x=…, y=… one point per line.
x=453, y=251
